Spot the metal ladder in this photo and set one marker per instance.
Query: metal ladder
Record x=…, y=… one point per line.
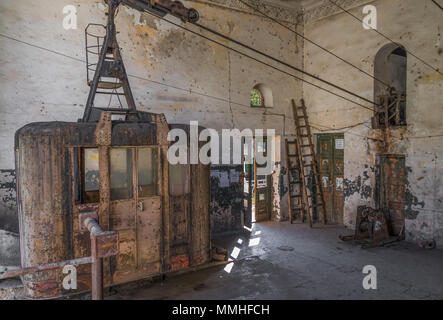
x=104, y=61
x=296, y=188
x=309, y=171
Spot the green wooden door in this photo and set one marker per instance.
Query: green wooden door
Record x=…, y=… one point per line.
x=330, y=157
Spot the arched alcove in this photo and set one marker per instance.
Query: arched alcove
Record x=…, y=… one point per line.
x=390, y=69
x=261, y=96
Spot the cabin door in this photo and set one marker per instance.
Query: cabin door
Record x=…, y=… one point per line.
x=135, y=212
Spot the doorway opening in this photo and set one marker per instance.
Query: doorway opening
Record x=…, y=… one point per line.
x=256, y=188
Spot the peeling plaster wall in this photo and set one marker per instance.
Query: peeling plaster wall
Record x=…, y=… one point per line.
x=170, y=71
x=417, y=25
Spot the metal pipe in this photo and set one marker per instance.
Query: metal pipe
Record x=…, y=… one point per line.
x=97, y=263
x=43, y=267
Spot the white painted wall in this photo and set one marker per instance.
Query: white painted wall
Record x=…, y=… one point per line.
x=417, y=25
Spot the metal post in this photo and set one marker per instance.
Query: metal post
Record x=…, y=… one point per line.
x=97, y=263
x=96, y=271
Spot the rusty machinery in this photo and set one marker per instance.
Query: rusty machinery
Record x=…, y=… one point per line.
x=121, y=229
x=372, y=228
x=103, y=244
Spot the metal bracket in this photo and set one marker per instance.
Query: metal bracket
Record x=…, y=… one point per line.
x=83, y=216
x=106, y=244
x=103, y=132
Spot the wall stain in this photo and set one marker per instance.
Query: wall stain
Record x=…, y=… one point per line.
x=411, y=200
x=8, y=198
x=358, y=186
x=282, y=187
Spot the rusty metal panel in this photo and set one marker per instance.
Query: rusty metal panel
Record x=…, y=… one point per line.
x=149, y=231
x=49, y=216
x=391, y=181
x=45, y=235
x=200, y=220
x=125, y=262
x=180, y=223
x=107, y=244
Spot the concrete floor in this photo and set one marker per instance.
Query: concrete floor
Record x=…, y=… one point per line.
x=284, y=261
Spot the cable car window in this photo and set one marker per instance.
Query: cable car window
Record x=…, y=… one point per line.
x=121, y=173
x=91, y=183
x=146, y=172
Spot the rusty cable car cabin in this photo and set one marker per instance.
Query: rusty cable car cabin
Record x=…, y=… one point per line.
x=120, y=170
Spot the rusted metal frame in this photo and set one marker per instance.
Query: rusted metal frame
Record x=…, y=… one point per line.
x=43, y=267
x=19, y=199
x=103, y=136
x=191, y=168
x=110, y=43
x=300, y=160
x=103, y=244
x=94, y=84
x=88, y=65
x=125, y=81
x=163, y=190
x=371, y=224
x=164, y=193
x=138, y=205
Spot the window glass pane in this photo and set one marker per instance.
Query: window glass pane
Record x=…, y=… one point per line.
x=121, y=173
x=256, y=98
x=91, y=169
x=178, y=179
x=147, y=169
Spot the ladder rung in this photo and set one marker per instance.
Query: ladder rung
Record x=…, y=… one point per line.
x=305, y=145
x=107, y=84
x=307, y=155
x=305, y=135
x=293, y=155
x=291, y=142
x=313, y=195
x=297, y=196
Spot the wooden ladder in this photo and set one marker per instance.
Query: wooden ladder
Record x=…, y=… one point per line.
x=308, y=163
x=296, y=188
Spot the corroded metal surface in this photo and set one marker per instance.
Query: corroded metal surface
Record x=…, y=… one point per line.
x=50, y=207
